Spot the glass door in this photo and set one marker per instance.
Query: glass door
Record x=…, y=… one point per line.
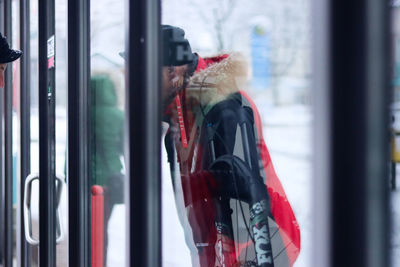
x=77, y=123
x=72, y=124
x=43, y=202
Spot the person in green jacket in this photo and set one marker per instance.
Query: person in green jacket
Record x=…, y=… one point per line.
x=106, y=144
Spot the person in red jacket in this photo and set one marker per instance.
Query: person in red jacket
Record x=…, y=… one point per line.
x=235, y=211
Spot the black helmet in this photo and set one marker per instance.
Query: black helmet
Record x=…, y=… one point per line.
x=6, y=53
x=176, y=49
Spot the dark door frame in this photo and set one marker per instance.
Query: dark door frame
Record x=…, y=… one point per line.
x=7, y=172
x=143, y=134
x=2, y=236
x=47, y=92
x=23, y=248
x=78, y=129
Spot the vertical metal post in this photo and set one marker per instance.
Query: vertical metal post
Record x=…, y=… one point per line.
x=2, y=218
x=47, y=199
x=353, y=75
x=23, y=249
x=349, y=138
x=143, y=133
x=8, y=175
x=78, y=144
x=321, y=134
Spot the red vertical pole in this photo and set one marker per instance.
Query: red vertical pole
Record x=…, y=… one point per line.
x=97, y=226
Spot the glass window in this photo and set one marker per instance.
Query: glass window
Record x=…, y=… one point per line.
x=61, y=67
x=236, y=171
x=106, y=125
x=34, y=123
x=15, y=66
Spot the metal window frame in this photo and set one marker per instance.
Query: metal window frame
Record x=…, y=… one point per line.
x=2, y=236
x=78, y=141
x=143, y=135
x=351, y=111
x=47, y=198
x=8, y=171
x=23, y=248
x=322, y=134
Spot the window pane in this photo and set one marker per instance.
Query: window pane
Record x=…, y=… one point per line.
x=34, y=123
x=106, y=125
x=236, y=143
x=61, y=124
x=16, y=158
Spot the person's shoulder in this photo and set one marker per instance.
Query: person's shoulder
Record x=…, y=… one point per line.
x=226, y=107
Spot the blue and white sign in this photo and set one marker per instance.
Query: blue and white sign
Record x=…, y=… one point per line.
x=260, y=58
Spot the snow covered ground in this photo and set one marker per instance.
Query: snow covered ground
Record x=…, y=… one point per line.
x=287, y=132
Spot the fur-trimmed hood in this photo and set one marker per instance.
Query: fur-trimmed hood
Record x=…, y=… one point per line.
x=221, y=77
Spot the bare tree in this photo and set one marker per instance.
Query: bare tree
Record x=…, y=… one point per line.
x=287, y=29
x=215, y=15
x=103, y=20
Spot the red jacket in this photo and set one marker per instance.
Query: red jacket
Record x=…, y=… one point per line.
x=203, y=188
